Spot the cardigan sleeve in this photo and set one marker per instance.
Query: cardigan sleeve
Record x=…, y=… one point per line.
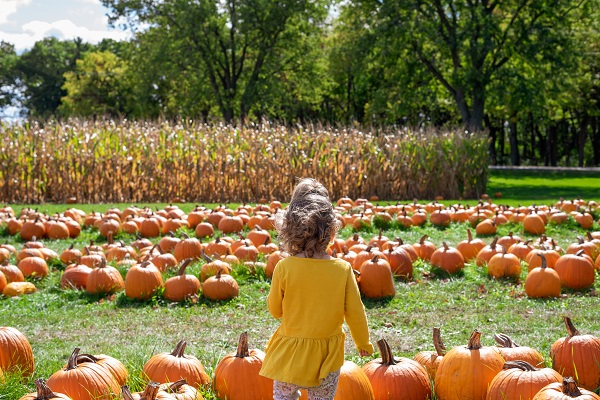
x=356, y=318
x=275, y=297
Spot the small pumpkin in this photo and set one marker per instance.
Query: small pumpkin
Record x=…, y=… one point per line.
x=430, y=360
x=520, y=380
x=13, y=289
x=511, y=351
x=220, y=287
x=566, y=390
x=542, y=281
x=353, y=384
x=182, y=286
x=470, y=247
x=424, y=248
x=43, y=392
x=171, y=367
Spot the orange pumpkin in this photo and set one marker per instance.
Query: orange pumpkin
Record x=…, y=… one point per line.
x=504, y=265
x=12, y=273
x=34, y=267
x=376, y=278
x=430, y=360
x=578, y=356
x=353, y=384
x=237, y=374
x=470, y=247
x=465, y=372
x=534, y=224
x=220, y=287
x=187, y=248
x=448, y=258
x=16, y=354
x=397, y=378
x=43, y=392
x=424, y=248
x=484, y=255
x=576, y=271
x=511, y=351
x=520, y=380
x=182, y=286
x=75, y=277
x=142, y=280
x=566, y=390
x=104, y=280
x=171, y=367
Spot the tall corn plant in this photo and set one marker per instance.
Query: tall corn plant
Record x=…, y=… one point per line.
x=124, y=161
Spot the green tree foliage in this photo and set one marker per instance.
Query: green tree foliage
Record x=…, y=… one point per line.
x=41, y=71
x=8, y=61
x=98, y=86
x=237, y=44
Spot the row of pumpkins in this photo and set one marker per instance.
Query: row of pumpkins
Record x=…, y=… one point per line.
x=471, y=372
x=376, y=263
x=484, y=217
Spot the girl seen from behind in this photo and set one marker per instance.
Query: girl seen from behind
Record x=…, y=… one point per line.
x=312, y=293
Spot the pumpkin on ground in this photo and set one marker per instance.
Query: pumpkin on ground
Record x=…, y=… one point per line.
x=465, y=372
x=470, y=247
x=181, y=286
x=376, y=278
x=16, y=354
x=220, y=287
x=520, y=380
x=104, y=279
x=397, y=378
x=236, y=375
x=13, y=289
x=353, y=384
x=578, y=356
x=504, y=265
x=566, y=390
x=84, y=380
x=448, y=259
x=75, y=276
x=511, y=351
x=430, y=360
x=576, y=271
x=178, y=390
x=114, y=366
x=43, y=392
x=171, y=367
x=542, y=281
x=142, y=280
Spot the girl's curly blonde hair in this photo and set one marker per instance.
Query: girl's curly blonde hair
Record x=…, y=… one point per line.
x=309, y=223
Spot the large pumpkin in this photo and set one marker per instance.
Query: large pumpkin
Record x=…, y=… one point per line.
x=576, y=271
x=397, y=378
x=465, y=372
x=578, y=356
x=236, y=375
x=520, y=380
x=171, y=367
x=16, y=354
x=84, y=380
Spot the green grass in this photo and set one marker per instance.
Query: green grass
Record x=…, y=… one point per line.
x=543, y=187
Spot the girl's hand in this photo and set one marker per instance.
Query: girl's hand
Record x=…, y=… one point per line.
x=363, y=353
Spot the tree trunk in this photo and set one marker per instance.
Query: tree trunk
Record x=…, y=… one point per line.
x=493, y=132
x=551, y=144
x=514, y=142
x=502, y=143
x=581, y=138
x=477, y=111
x=596, y=140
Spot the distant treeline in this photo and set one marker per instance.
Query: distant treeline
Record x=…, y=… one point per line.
x=525, y=72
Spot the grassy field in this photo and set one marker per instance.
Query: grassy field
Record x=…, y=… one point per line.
x=55, y=320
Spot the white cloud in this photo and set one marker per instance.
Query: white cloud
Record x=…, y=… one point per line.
x=63, y=29
x=9, y=7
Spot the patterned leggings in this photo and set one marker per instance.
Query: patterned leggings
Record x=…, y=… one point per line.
x=325, y=391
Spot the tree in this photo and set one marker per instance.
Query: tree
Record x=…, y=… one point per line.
x=97, y=87
x=238, y=44
x=41, y=71
x=465, y=43
x=8, y=79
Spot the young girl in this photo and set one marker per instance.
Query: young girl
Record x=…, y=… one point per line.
x=312, y=293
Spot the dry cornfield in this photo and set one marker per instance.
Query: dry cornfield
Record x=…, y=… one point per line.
x=124, y=161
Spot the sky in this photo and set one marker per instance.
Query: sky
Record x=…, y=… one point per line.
x=23, y=22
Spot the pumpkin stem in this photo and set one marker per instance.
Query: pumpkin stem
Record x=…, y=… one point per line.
x=151, y=391
x=493, y=244
x=570, y=388
x=72, y=364
x=544, y=262
x=184, y=265
x=423, y=238
x=438, y=343
x=174, y=387
x=126, y=393
x=387, y=357
x=356, y=272
x=446, y=248
x=242, y=348
x=43, y=391
x=522, y=365
x=205, y=257
x=178, y=352
x=375, y=259
x=469, y=235
x=505, y=340
x=475, y=341
x=570, y=327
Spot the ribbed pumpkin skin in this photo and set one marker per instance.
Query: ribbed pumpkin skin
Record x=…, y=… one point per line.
x=554, y=391
x=35, y=267
x=171, y=367
x=542, y=283
x=448, y=258
x=75, y=276
x=142, y=280
x=575, y=271
x=104, y=280
x=114, y=366
x=464, y=374
x=516, y=384
x=430, y=360
x=376, y=279
x=397, y=378
x=578, y=356
x=353, y=384
x=86, y=381
x=15, y=352
x=182, y=286
x=237, y=378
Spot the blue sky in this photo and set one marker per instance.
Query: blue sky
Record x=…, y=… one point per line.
x=23, y=22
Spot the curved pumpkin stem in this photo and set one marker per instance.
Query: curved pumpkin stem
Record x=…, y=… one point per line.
x=423, y=238
x=469, y=236
x=184, y=265
x=475, y=341
x=387, y=358
x=570, y=388
x=544, y=262
x=570, y=327
x=522, y=365
x=175, y=386
x=43, y=391
x=179, y=349
x=242, y=348
x=505, y=340
x=438, y=343
x=72, y=363
x=493, y=244
x=126, y=393
x=151, y=391
x=446, y=248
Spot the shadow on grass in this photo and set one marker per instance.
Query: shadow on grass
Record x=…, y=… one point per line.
x=377, y=303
